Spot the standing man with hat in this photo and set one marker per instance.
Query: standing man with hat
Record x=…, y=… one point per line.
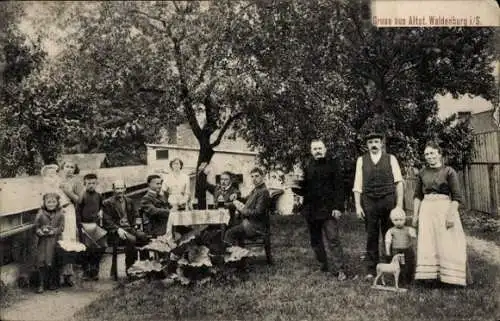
x=378, y=188
x=323, y=191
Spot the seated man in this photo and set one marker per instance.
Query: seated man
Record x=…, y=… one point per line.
x=119, y=220
x=255, y=211
x=155, y=208
x=224, y=193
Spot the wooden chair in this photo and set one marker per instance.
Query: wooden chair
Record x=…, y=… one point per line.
x=115, y=250
x=264, y=239
x=120, y=249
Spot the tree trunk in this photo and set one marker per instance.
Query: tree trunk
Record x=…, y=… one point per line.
x=205, y=156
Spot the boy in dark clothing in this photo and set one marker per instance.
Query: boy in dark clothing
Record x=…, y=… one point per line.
x=155, y=208
x=88, y=215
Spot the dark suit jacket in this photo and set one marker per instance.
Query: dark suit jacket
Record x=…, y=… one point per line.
x=322, y=188
x=113, y=211
x=257, y=205
x=155, y=210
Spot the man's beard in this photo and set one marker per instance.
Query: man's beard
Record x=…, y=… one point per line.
x=318, y=156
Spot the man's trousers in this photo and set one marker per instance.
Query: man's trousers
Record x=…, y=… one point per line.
x=325, y=238
x=377, y=211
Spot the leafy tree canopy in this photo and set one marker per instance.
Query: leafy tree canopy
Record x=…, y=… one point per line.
x=330, y=74
x=279, y=73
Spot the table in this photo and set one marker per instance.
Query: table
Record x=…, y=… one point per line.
x=219, y=216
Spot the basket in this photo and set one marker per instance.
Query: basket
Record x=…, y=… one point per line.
x=94, y=236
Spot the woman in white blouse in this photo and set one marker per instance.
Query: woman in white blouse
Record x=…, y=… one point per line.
x=176, y=185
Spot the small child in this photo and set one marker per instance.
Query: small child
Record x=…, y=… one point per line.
x=399, y=239
x=89, y=215
x=49, y=225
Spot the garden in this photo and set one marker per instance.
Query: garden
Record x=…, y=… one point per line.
x=294, y=288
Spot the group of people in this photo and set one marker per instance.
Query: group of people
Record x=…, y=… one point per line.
x=70, y=216
x=248, y=215
x=75, y=217
x=379, y=193
x=73, y=212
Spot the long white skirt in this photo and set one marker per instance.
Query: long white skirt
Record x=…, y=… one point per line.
x=69, y=234
x=441, y=252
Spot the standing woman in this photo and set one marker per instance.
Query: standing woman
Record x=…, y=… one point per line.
x=72, y=190
x=441, y=250
x=176, y=185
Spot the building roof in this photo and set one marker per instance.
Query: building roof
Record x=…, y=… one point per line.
x=483, y=122
x=86, y=161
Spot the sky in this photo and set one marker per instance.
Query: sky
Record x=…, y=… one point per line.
x=447, y=105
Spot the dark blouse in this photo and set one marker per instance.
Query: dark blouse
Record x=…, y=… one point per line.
x=441, y=180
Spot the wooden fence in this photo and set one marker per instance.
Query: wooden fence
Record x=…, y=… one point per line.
x=481, y=177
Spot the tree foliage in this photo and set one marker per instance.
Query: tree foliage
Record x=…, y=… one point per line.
x=279, y=73
x=23, y=123
x=148, y=65
x=337, y=73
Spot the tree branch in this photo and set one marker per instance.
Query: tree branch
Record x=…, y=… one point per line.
x=204, y=69
x=225, y=127
x=159, y=19
x=151, y=90
x=179, y=61
x=184, y=90
x=402, y=70
x=211, y=108
x=191, y=117
x=177, y=8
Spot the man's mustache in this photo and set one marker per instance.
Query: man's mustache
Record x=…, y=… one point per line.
x=374, y=148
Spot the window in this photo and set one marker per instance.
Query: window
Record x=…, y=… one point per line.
x=162, y=154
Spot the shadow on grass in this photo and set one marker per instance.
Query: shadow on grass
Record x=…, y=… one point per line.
x=294, y=289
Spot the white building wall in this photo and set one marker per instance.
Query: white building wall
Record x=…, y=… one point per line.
x=237, y=162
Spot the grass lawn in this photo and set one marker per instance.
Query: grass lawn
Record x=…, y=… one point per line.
x=294, y=289
x=482, y=225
